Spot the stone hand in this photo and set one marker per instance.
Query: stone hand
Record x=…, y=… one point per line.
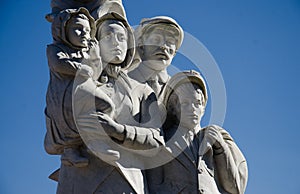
x=214, y=136
x=85, y=71
x=112, y=128
x=212, y=139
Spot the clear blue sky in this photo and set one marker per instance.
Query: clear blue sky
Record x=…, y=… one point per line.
x=256, y=45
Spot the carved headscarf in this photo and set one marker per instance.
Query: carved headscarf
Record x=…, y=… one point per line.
x=59, y=25
x=130, y=41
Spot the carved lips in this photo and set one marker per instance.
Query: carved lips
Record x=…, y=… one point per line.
x=116, y=51
x=162, y=55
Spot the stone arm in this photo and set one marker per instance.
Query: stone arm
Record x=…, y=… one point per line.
x=60, y=62
x=144, y=136
x=231, y=166
x=147, y=133
x=141, y=140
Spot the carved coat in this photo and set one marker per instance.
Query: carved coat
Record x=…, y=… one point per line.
x=64, y=60
x=189, y=173
x=132, y=98
x=144, y=74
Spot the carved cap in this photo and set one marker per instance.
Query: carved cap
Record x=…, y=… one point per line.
x=180, y=78
x=59, y=24
x=147, y=23
x=130, y=41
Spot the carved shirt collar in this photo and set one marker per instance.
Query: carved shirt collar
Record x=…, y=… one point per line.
x=147, y=74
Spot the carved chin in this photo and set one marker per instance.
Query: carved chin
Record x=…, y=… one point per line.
x=190, y=123
x=117, y=60
x=157, y=65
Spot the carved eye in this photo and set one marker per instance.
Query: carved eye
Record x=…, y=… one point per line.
x=197, y=103
x=78, y=31
x=156, y=40
x=107, y=37
x=121, y=37
x=171, y=41
x=87, y=30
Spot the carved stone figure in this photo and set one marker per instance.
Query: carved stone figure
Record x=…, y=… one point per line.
x=74, y=50
x=106, y=123
x=97, y=8
x=206, y=160
x=158, y=39
x=132, y=129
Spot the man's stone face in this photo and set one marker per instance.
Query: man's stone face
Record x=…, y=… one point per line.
x=190, y=105
x=159, y=46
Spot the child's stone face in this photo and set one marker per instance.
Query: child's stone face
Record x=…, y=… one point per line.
x=78, y=32
x=190, y=105
x=113, y=43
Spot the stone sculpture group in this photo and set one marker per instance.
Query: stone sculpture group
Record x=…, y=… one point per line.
x=122, y=124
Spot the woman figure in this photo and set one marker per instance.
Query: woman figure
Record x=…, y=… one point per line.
x=132, y=128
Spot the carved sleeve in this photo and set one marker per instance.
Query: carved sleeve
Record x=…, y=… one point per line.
x=231, y=167
x=60, y=62
x=140, y=138
x=147, y=135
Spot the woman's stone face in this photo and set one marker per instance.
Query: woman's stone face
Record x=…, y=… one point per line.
x=113, y=43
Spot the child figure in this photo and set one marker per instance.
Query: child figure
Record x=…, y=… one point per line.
x=74, y=51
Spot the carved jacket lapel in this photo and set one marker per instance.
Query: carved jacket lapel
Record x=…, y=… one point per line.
x=186, y=157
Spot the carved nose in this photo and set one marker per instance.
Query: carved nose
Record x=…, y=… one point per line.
x=115, y=41
x=163, y=47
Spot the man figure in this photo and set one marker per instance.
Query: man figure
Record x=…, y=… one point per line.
x=157, y=40
x=205, y=160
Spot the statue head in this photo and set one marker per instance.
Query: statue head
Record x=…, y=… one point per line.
x=185, y=99
x=74, y=28
x=158, y=39
x=78, y=30
x=116, y=40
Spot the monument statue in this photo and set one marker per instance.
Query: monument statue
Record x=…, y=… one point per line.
x=158, y=39
x=104, y=118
